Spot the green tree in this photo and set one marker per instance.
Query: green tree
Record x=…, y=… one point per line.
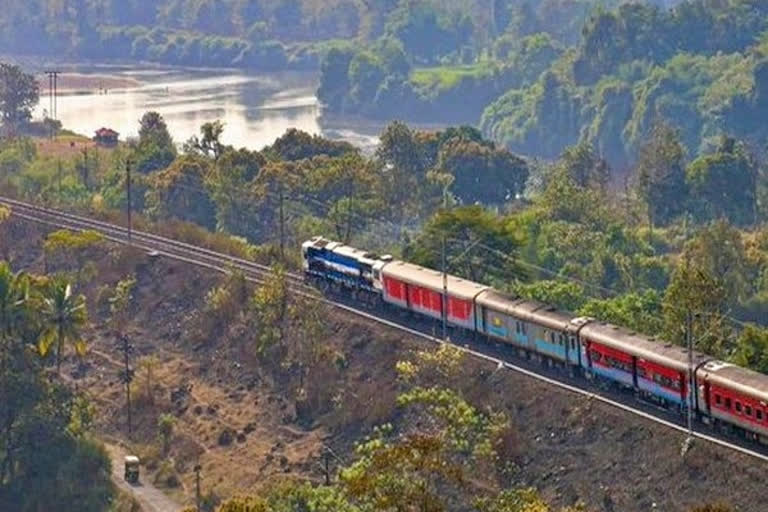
x=77, y=249
x=563, y=294
x=209, y=143
x=334, y=78
x=165, y=427
x=273, y=189
x=46, y=454
x=751, y=350
x=723, y=184
x=179, y=192
x=63, y=315
x=270, y=305
x=404, y=161
x=638, y=311
x=5, y=217
x=296, y=145
x=710, y=279
x=14, y=304
x=483, y=174
x=480, y=246
x=349, y=184
x=155, y=150
x=19, y=93
x=366, y=74
x=660, y=174
x=231, y=182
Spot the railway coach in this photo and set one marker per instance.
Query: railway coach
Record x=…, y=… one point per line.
x=533, y=328
x=421, y=290
x=656, y=371
x=734, y=397
x=722, y=394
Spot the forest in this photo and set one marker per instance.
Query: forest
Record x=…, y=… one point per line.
x=682, y=232
x=536, y=77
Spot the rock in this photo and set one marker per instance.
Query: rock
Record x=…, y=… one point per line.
x=240, y=437
x=249, y=428
x=198, y=410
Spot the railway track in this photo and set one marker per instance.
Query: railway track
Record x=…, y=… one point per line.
x=257, y=273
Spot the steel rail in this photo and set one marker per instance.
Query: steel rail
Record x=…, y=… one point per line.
x=256, y=273
x=120, y=234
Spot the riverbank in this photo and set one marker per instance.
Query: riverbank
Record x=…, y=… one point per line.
x=80, y=83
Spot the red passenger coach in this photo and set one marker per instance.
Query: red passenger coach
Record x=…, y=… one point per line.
x=736, y=396
x=421, y=290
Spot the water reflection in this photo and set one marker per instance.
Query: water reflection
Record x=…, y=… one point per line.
x=255, y=109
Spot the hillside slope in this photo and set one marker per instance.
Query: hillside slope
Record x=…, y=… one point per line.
x=239, y=417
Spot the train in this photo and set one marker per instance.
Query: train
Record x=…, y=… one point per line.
x=718, y=393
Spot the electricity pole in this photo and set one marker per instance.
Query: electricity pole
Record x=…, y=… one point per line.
x=445, y=276
x=85, y=167
x=327, y=460
x=198, y=468
x=127, y=376
x=282, y=218
x=691, y=377
x=691, y=383
x=53, y=82
x=128, y=164
x=58, y=176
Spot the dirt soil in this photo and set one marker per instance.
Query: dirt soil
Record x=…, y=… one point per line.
x=244, y=429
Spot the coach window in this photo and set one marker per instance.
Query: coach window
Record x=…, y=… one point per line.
x=727, y=403
x=738, y=406
x=748, y=410
x=759, y=414
x=718, y=399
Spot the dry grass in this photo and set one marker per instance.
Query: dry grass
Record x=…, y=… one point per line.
x=570, y=447
x=69, y=146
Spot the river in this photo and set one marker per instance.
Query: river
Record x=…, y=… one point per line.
x=256, y=108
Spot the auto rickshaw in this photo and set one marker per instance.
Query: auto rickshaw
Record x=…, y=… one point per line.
x=131, y=469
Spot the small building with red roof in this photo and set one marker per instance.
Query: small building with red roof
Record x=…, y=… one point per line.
x=106, y=137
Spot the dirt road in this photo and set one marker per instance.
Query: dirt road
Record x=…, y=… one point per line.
x=150, y=498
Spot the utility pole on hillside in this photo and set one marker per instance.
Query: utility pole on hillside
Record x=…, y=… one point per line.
x=281, y=193
x=691, y=381
x=127, y=376
x=128, y=164
x=58, y=178
x=198, y=468
x=447, y=181
x=53, y=83
x=85, y=173
x=445, y=288
x=691, y=378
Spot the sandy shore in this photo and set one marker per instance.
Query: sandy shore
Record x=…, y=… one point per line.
x=71, y=83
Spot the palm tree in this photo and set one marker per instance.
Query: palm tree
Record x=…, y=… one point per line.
x=14, y=301
x=64, y=315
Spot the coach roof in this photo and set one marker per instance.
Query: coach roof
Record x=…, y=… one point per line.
x=736, y=378
x=630, y=342
x=432, y=279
